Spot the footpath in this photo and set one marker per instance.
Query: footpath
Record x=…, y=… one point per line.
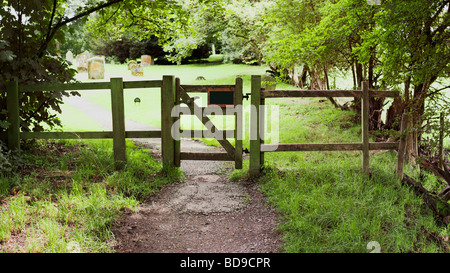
x=205, y=213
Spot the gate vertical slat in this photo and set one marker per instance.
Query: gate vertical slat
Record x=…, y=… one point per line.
x=402, y=146
x=177, y=147
x=238, y=133
x=12, y=104
x=118, y=122
x=167, y=103
x=262, y=121
x=255, y=140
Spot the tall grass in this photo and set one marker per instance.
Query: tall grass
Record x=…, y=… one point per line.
x=326, y=203
x=69, y=204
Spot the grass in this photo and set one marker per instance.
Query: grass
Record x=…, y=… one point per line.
x=327, y=204
x=331, y=207
x=76, y=120
x=69, y=203
x=214, y=73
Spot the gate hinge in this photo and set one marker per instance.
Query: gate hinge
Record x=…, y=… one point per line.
x=245, y=151
x=246, y=96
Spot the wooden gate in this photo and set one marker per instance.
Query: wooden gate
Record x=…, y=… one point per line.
x=227, y=98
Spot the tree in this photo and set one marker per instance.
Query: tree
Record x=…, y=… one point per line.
x=141, y=20
x=298, y=43
x=76, y=39
x=413, y=37
x=244, y=34
x=395, y=44
x=27, y=50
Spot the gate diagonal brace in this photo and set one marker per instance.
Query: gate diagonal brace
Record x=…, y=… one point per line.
x=195, y=109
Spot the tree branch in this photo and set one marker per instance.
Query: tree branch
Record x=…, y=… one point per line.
x=51, y=20
x=52, y=30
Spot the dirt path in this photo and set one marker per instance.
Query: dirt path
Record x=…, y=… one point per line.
x=204, y=213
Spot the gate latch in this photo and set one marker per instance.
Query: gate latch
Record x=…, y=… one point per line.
x=189, y=101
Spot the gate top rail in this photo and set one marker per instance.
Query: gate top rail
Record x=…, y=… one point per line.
x=203, y=88
x=87, y=86
x=325, y=93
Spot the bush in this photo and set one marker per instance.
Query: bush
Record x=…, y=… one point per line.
x=109, y=59
x=127, y=48
x=10, y=161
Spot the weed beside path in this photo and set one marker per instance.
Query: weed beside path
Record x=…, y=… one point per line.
x=67, y=195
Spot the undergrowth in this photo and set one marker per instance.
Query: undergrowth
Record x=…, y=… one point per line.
x=67, y=195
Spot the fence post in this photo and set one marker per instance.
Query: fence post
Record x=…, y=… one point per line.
x=12, y=104
x=118, y=122
x=255, y=140
x=238, y=117
x=365, y=125
x=177, y=147
x=402, y=146
x=262, y=123
x=167, y=103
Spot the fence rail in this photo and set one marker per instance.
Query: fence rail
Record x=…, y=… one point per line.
x=88, y=86
x=328, y=147
x=265, y=94
x=88, y=135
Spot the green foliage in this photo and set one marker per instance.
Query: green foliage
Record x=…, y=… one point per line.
x=185, y=28
x=414, y=38
x=244, y=35
x=25, y=56
x=126, y=47
x=137, y=20
x=76, y=39
x=438, y=104
x=10, y=161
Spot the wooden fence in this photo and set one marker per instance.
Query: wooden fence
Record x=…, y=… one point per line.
x=118, y=133
x=258, y=148
x=172, y=93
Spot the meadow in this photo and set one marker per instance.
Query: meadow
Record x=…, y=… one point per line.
x=326, y=203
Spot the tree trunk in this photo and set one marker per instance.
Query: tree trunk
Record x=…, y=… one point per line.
x=303, y=77
x=394, y=114
x=417, y=109
x=359, y=78
x=327, y=81
x=317, y=82
x=375, y=113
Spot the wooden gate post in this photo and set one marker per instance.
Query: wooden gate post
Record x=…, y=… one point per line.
x=238, y=134
x=365, y=125
x=12, y=104
x=118, y=122
x=177, y=145
x=402, y=146
x=255, y=140
x=167, y=103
